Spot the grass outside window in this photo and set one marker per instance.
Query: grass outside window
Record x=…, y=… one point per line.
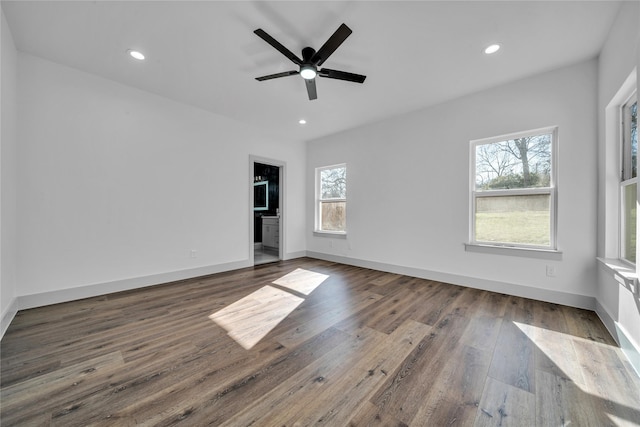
x=519, y=220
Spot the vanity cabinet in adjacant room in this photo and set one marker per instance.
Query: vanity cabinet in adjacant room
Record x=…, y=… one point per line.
x=271, y=232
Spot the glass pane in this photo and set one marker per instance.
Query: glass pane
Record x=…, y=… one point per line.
x=514, y=219
x=514, y=163
x=630, y=140
x=333, y=183
x=629, y=202
x=633, y=113
x=333, y=216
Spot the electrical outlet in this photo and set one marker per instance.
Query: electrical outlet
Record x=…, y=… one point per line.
x=193, y=253
x=551, y=271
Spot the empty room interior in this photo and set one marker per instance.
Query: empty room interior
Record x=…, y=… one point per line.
x=291, y=213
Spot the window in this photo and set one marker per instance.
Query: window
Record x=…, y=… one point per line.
x=629, y=179
x=331, y=196
x=513, y=190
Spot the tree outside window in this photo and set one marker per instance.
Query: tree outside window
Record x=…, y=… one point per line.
x=516, y=163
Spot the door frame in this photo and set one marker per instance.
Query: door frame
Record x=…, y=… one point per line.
x=282, y=168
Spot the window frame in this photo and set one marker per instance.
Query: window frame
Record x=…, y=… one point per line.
x=551, y=190
x=319, y=200
x=626, y=177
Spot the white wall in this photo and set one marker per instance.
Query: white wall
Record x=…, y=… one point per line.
x=8, y=174
x=408, y=187
x=117, y=184
x=617, y=305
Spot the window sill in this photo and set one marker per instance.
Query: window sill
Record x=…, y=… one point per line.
x=513, y=251
x=335, y=234
x=624, y=273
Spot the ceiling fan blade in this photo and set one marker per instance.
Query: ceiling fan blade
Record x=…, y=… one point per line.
x=275, y=76
x=342, y=75
x=279, y=47
x=311, y=89
x=331, y=45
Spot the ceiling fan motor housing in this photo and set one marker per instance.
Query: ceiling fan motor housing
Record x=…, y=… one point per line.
x=307, y=54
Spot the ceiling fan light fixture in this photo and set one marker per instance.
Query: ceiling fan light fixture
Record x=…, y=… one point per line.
x=492, y=49
x=308, y=72
x=135, y=54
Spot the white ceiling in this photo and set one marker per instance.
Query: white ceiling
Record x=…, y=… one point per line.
x=415, y=54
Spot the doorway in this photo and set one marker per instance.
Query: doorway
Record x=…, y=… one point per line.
x=266, y=211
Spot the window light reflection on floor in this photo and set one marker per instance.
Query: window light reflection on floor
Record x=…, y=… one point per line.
x=251, y=318
x=565, y=352
x=302, y=281
x=558, y=348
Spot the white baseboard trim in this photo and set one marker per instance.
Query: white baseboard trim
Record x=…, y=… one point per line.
x=294, y=255
x=547, y=295
x=88, y=291
x=607, y=320
x=629, y=348
x=8, y=315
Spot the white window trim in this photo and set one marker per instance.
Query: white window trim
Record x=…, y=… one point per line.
x=552, y=190
x=318, y=201
x=611, y=201
x=624, y=170
x=610, y=252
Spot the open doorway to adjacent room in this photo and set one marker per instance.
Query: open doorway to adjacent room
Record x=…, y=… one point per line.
x=266, y=211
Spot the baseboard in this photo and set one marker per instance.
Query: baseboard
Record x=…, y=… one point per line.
x=547, y=295
x=7, y=316
x=629, y=348
x=607, y=320
x=294, y=255
x=88, y=291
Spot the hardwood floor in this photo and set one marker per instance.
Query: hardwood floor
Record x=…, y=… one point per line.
x=309, y=342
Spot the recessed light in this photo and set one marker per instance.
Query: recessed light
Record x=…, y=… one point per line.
x=492, y=49
x=135, y=54
x=302, y=121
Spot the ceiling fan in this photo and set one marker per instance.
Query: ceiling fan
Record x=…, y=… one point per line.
x=311, y=60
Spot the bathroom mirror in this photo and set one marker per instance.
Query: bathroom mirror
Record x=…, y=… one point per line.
x=261, y=196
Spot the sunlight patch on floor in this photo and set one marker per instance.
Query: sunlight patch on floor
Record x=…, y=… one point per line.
x=617, y=421
x=568, y=353
x=558, y=347
x=301, y=280
x=251, y=318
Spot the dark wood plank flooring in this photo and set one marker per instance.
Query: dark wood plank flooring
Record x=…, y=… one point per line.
x=308, y=342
